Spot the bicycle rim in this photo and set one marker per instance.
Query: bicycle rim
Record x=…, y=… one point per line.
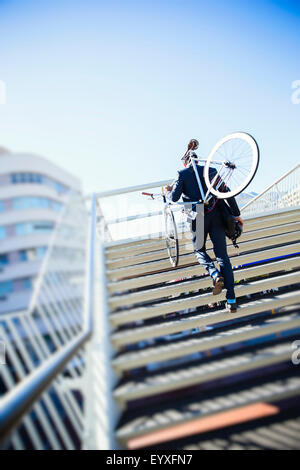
x=171, y=237
x=241, y=150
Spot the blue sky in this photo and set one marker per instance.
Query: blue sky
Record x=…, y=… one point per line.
x=113, y=90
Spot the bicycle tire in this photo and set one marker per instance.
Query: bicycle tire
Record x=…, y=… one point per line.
x=229, y=139
x=171, y=237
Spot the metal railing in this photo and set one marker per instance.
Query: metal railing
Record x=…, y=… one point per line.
x=57, y=383
x=120, y=212
x=41, y=406
x=284, y=192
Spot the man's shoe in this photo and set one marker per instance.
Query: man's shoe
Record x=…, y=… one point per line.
x=231, y=307
x=218, y=285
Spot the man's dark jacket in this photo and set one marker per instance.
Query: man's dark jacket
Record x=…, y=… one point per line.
x=187, y=186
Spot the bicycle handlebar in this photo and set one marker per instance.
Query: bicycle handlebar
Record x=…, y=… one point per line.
x=170, y=202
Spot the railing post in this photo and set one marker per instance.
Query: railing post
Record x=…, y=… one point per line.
x=101, y=411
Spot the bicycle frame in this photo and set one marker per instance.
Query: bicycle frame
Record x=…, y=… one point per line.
x=204, y=197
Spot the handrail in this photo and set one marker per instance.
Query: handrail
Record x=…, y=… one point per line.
x=134, y=217
x=269, y=187
x=117, y=192
x=150, y=214
x=18, y=401
x=131, y=189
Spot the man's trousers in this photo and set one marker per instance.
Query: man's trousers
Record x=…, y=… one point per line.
x=213, y=226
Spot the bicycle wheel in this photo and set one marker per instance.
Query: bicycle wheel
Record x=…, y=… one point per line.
x=238, y=155
x=171, y=236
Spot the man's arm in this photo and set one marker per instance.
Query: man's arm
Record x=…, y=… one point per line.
x=177, y=189
x=231, y=201
x=233, y=206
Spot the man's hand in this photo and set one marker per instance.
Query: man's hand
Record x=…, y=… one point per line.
x=240, y=220
x=168, y=188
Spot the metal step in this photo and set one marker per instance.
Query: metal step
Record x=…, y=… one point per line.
x=130, y=360
x=123, y=248
x=196, y=269
x=280, y=434
x=191, y=375
x=200, y=283
x=202, y=321
x=147, y=268
x=186, y=246
x=202, y=415
x=176, y=305
x=179, y=346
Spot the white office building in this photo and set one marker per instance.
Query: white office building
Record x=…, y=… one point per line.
x=32, y=194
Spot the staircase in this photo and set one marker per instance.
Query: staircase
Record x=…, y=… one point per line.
x=191, y=375
x=120, y=351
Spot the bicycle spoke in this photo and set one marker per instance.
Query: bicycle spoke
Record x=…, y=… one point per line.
x=242, y=170
x=241, y=150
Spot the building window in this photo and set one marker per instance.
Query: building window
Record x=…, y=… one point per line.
x=23, y=255
x=60, y=188
x=24, y=228
x=57, y=206
x=3, y=260
x=6, y=287
x=27, y=178
x=40, y=179
x=37, y=178
x=28, y=255
x=31, y=227
x=32, y=254
x=27, y=284
x=31, y=203
x=43, y=226
x=2, y=232
x=41, y=251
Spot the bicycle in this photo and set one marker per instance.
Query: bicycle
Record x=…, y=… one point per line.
x=240, y=154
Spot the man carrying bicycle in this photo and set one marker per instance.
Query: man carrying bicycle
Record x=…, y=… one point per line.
x=186, y=185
